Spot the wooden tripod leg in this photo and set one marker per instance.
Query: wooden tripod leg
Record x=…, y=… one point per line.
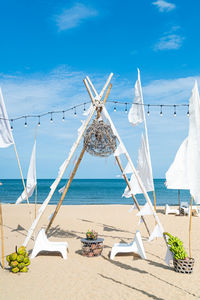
x=66, y=189
x=134, y=199
x=2, y=242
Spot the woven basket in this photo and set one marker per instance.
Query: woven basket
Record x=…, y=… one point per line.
x=184, y=265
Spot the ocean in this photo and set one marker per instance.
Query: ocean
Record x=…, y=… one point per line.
x=89, y=192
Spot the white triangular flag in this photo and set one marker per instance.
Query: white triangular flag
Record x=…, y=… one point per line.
x=133, y=183
x=146, y=210
x=128, y=169
x=168, y=257
x=61, y=190
x=132, y=208
x=6, y=137
x=140, y=221
x=120, y=150
x=31, y=178
x=136, y=112
x=157, y=232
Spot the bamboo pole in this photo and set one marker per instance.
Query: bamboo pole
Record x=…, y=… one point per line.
x=36, y=183
x=35, y=201
x=66, y=189
x=190, y=225
x=128, y=184
x=2, y=241
x=154, y=199
x=179, y=201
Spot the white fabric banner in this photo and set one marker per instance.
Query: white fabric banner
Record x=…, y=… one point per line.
x=6, y=137
x=145, y=211
x=193, y=152
x=177, y=175
x=31, y=181
x=144, y=171
x=157, y=232
x=136, y=112
x=184, y=173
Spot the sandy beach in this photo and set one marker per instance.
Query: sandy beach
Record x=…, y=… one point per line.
x=79, y=277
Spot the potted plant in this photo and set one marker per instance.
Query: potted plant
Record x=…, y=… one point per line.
x=91, y=235
x=182, y=262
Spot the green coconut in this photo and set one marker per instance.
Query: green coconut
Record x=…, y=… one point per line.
x=21, y=250
x=21, y=265
x=27, y=261
x=8, y=258
x=24, y=269
x=13, y=263
x=15, y=270
x=20, y=258
x=13, y=256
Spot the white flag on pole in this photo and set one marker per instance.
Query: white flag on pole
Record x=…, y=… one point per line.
x=120, y=150
x=136, y=112
x=6, y=137
x=31, y=178
x=128, y=169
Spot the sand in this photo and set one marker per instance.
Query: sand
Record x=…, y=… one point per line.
x=79, y=277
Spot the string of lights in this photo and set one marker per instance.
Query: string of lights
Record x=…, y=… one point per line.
x=74, y=109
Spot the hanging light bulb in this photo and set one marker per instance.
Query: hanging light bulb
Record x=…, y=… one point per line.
x=188, y=112
x=11, y=127
x=63, y=118
x=115, y=107
x=25, y=123
x=161, y=113
x=174, y=110
x=126, y=110
x=75, y=114
x=51, y=120
x=148, y=110
x=39, y=121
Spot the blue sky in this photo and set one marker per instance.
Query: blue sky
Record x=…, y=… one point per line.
x=48, y=47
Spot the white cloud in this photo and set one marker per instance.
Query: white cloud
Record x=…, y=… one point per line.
x=74, y=16
x=163, y=5
x=169, y=42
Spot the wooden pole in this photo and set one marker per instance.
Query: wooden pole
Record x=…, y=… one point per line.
x=2, y=241
x=179, y=201
x=66, y=189
x=35, y=201
x=36, y=183
x=190, y=225
x=154, y=199
x=134, y=199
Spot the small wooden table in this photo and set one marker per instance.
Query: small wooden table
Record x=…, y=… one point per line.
x=92, y=248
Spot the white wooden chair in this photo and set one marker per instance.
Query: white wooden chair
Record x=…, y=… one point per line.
x=136, y=246
x=43, y=244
